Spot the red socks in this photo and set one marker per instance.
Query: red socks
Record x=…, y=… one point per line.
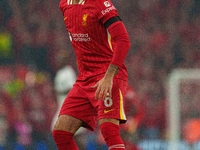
x=64, y=140
x=110, y=132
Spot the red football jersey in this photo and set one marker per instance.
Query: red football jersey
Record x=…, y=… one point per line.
x=91, y=41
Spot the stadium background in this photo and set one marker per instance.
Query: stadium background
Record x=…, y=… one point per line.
x=165, y=34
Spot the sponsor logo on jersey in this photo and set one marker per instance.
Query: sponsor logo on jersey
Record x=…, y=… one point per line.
x=107, y=10
x=79, y=37
x=84, y=23
x=107, y=4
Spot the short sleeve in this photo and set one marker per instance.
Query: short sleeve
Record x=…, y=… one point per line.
x=106, y=10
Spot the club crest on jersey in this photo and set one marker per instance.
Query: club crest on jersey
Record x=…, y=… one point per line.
x=84, y=23
x=107, y=4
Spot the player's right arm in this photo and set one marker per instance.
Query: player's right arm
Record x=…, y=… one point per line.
x=104, y=86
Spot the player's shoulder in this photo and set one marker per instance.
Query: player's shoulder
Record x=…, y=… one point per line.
x=102, y=3
x=62, y=4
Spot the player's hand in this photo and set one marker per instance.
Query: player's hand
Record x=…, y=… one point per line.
x=104, y=88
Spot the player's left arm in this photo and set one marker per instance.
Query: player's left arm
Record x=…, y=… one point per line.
x=119, y=34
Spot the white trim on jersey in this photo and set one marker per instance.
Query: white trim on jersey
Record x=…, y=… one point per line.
x=70, y=2
x=121, y=146
x=82, y=2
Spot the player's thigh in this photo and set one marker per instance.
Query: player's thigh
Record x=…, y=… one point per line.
x=68, y=123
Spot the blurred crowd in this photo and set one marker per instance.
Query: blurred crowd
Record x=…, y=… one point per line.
x=165, y=34
x=27, y=106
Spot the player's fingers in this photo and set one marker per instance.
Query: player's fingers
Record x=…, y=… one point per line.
x=100, y=95
x=96, y=85
x=97, y=92
x=106, y=94
x=110, y=93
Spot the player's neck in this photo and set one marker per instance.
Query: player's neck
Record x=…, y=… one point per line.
x=76, y=1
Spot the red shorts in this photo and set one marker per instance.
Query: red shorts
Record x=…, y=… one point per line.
x=81, y=103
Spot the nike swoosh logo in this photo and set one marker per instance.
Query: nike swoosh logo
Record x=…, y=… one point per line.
x=106, y=111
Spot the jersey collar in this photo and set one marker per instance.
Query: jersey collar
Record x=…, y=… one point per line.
x=82, y=2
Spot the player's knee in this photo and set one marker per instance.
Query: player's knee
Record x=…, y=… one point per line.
x=111, y=120
x=62, y=137
x=67, y=123
x=110, y=132
x=109, y=129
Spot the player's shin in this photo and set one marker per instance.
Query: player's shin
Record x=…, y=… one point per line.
x=64, y=140
x=110, y=132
